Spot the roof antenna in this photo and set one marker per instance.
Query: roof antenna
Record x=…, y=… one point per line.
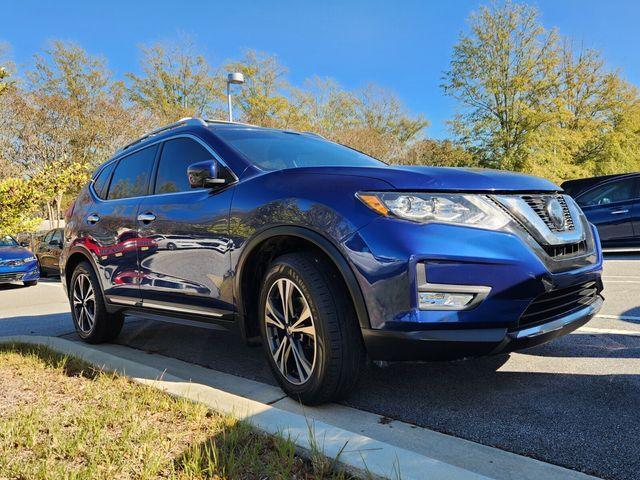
x=236, y=78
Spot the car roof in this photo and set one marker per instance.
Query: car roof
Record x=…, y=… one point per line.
x=581, y=185
x=193, y=126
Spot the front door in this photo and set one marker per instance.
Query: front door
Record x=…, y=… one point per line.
x=187, y=269
x=110, y=226
x=610, y=207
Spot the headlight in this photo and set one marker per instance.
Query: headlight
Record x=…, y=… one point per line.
x=452, y=208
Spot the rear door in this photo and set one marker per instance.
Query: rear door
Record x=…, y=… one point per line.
x=610, y=207
x=42, y=249
x=54, y=249
x=110, y=224
x=187, y=271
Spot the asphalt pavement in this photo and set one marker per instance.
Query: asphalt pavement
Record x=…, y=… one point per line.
x=573, y=402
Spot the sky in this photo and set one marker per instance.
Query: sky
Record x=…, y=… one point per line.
x=402, y=46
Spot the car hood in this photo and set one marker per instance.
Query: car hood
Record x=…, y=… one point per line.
x=14, y=253
x=444, y=178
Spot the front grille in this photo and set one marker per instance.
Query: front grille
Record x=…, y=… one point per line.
x=570, y=250
x=538, y=202
x=10, y=277
x=559, y=302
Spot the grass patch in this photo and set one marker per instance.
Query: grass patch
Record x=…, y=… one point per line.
x=62, y=419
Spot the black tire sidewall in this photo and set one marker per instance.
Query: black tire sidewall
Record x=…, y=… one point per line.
x=102, y=328
x=306, y=391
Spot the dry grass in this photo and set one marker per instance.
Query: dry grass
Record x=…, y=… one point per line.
x=61, y=419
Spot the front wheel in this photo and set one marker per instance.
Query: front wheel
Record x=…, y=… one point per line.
x=30, y=283
x=309, y=329
x=92, y=321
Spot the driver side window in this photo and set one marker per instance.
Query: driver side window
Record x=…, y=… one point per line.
x=177, y=155
x=612, y=192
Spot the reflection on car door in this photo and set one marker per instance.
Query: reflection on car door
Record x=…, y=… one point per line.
x=42, y=250
x=610, y=207
x=109, y=229
x=186, y=270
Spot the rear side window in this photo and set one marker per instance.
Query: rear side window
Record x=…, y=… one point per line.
x=101, y=183
x=612, y=192
x=57, y=236
x=131, y=176
x=177, y=155
x=48, y=236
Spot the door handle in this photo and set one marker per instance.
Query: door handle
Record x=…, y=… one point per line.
x=618, y=212
x=93, y=219
x=146, y=217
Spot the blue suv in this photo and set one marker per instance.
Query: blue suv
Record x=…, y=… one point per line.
x=323, y=254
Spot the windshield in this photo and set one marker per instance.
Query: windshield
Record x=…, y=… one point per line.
x=277, y=150
x=7, y=241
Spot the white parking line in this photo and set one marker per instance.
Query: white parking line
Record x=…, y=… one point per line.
x=620, y=317
x=608, y=331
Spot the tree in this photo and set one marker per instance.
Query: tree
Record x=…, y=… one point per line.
x=264, y=98
x=56, y=180
x=70, y=110
x=532, y=102
x=438, y=153
x=502, y=73
x=18, y=206
x=371, y=120
x=177, y=83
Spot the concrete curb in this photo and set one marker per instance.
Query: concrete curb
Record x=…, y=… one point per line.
x=359, y=454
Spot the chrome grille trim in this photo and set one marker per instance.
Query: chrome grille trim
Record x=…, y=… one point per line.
x=520, y=208
x=538, y=203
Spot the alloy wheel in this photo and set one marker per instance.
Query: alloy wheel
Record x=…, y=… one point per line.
x=84, y=303
x=291, y=332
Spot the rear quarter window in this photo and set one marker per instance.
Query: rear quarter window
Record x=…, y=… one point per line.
x=101, y=183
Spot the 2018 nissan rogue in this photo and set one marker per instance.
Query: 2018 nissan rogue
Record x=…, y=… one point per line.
x=325, y=254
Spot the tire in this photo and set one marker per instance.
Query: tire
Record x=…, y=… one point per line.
x=327, y=364
x=30, y=283
x=171, y=246
x=105, y=326
x=43, y=271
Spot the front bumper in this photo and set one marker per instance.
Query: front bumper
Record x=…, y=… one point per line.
x=23, y=273
x=452, y=344
x=395, y=260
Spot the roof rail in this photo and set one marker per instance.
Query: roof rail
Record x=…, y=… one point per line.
x=314, y=134
x=230, y=123
x=180, y=123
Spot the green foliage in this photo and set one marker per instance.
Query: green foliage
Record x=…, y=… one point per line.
x=176, y=83
x=439, y=153
x=4, y=84
x=531, y=102
x=18, y=202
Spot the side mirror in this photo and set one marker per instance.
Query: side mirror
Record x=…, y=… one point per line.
x=24, y=244
x=55, y=243
x=204, y=174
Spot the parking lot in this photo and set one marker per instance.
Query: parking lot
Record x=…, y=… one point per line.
x=573, y=402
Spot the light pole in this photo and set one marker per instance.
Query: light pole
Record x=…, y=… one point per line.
x=236, y=78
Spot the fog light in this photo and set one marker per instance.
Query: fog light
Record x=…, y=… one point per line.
x=444, y=300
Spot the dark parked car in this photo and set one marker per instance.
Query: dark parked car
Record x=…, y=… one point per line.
x=48, y=250
x=17, y=263
x=332, y=255
x=612, y=204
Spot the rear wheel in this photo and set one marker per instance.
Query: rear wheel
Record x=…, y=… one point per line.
x=90, y=317
x=310, y=333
